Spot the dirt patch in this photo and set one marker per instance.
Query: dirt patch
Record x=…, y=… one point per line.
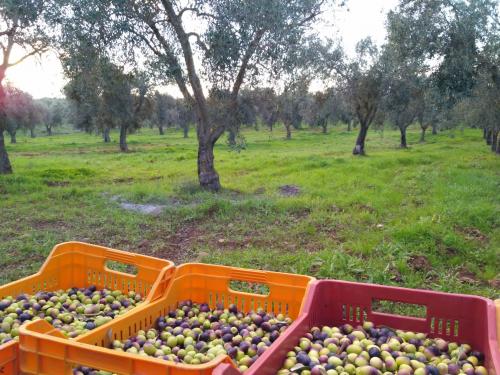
x=49, y=224
x=494, y=283
x=260, y=190
x=335, y=209
x=364, y=207
x=467, y=277
x=419, y=263
x=179, y=247
x=123, y=180
x=289, y=190
x=472, y=234
x=56, y=183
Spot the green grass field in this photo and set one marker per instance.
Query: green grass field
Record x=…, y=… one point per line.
x=426, y=217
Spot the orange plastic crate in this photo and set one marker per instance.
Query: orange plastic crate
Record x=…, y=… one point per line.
x=43, y=352
x=77, y=264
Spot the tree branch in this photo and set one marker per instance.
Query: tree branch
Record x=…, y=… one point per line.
x=32, y=53
x=252, y=47
x=200, y=43
x=195, y=10
x=172, y=60
x=194, y=80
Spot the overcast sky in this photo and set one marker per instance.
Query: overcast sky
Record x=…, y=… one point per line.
x=360, y=18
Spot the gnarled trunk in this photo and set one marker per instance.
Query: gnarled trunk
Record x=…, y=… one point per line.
x=288, y=128
x=434, y=129
x=494, y=140
x=422, y=134
x=160, y=129
x=105, y=135
x=231, y=139
x=359, y=148
x=403, y=144
x=32, y=133
x=207, y=175
x=13, y=138
x=123, y=138
x=488, y=138
x=324, y=125
x=5, y=167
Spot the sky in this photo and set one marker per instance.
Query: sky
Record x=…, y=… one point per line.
x=43, y=77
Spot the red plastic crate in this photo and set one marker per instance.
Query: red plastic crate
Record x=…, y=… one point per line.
x=454, y=317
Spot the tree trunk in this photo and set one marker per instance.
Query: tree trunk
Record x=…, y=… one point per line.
x=160, y=128
x=359, y=148
x=288, y=128
x=434, y=129
x=185, y=130
x=32, y=132
x=349, y=126
x=207, y=175
x=489, y=133
x=271, y=127
x=105, y=135
x=49, y=130
x=13, y=138
x=403, y=144
x=5, y=167
x=123, y=139
x=422, y=134
x=325, y=127
x=485, y=133
x=231, y=139
x=494, y=140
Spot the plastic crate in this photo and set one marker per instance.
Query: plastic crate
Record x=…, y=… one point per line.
x=77, y=264
x=42, y=352
x=497, y=304
x=454, y=317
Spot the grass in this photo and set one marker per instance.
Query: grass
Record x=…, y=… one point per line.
x=425, y=217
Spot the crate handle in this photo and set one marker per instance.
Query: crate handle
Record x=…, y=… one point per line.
x=120, y=256
x=255, y=276
x=387, y=306
x=118, y=259
x=114, y=266
x=248, y=281
x=242, y=286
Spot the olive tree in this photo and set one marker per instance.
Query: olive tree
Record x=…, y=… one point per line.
x=363, y=84
x=19, y=107
x=201, y=44
x=452, y=38
x=266, y=102
x=166, y=111
x=186, y=116
x=292, y=103
x=105, y=96
x=20, y=29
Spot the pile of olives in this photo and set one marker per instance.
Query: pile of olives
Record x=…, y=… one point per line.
x=73, y=311
x=195, y=333
x=370, y=350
